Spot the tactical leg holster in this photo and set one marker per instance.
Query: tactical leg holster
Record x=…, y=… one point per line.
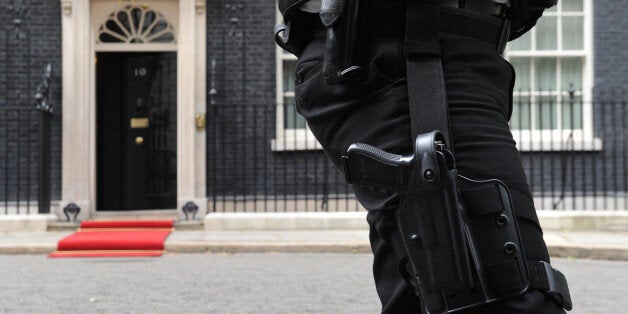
x=459, y=235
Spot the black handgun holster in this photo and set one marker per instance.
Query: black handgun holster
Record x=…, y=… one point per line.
x=462, y=256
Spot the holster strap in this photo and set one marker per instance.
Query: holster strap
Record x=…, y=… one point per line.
x=551, y=281
x=427, y=97
x=486, y=200
x=483, y=201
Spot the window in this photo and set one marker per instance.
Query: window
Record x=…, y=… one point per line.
x=291, y=131
x=553, y=62
x=136, y=25
x=134, y=28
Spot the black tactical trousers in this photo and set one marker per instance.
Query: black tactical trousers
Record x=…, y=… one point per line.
x=375, y=111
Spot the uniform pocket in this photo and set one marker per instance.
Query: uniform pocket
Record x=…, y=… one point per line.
x=306, y=69
x=304, y=73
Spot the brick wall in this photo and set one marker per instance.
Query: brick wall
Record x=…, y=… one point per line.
x=23, y=58
x=610, y=45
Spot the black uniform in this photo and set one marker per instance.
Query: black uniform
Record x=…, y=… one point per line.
x=374, y=111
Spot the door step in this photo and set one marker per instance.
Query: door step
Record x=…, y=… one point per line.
x=158, y=214
x=132, y=215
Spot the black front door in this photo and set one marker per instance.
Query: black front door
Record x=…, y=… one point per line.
x=136, y=131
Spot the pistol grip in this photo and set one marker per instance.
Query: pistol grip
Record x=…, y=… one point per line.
x=373, y=167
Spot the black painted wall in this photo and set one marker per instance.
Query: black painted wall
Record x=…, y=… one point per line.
x=25, y=49
x=610, y=25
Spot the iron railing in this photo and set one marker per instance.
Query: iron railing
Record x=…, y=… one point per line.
x=252, y=167
x=584, y=164
x=25, y=152
x=256, y=165
x=577, y=161
x=25, y=123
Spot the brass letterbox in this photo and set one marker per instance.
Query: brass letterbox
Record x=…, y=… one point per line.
x=139, y=123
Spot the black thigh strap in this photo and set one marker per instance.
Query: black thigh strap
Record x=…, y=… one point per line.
x=551, y=281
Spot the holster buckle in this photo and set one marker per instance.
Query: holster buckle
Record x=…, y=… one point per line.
x=557, y=286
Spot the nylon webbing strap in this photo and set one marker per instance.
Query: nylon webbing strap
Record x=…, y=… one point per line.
x=427, y=97
x=484, y=200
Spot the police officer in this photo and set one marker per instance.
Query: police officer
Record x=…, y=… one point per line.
x=373, y=109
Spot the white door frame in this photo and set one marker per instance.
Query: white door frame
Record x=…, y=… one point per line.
x=79, y=26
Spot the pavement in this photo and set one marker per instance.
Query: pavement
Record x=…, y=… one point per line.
x=608, y=245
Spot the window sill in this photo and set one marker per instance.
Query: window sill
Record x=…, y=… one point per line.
x=579, y=144
x=279, y=145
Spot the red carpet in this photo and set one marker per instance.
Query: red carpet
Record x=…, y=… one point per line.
x=116, y=239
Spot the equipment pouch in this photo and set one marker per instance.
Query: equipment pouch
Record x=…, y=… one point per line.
x=344, y=21
x=460, y=235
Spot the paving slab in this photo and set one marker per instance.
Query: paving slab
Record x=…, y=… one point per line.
x=30, y=242
x=588, y=244
x=319, y=241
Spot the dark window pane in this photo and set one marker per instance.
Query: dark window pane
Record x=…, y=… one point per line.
x=165, y=38
x=546, y=33
x=292, y=120
x=571, y=73
x=572, y=112
x=547, y=112
x=106, y=38
x=546, y=74
x=288, y=75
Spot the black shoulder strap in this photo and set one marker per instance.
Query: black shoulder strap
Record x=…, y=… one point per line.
x=427, y=97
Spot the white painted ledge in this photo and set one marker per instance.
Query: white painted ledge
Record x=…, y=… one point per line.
x=26, y=223
x=604, y=220
x=550, y=221
x=286, y=221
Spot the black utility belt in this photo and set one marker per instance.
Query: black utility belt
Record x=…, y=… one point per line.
x=388, y=19
x=488, y=7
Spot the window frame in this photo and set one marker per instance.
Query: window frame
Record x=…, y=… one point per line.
x=559, y=139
